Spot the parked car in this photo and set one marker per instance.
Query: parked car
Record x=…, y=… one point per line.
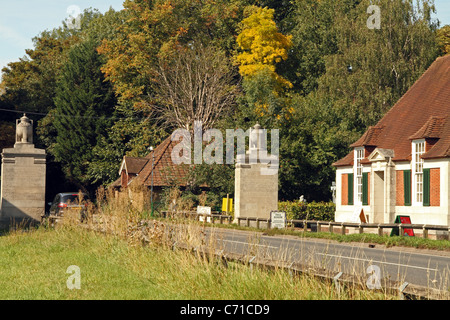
x=69, y=200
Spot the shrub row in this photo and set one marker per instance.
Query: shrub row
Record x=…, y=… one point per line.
x=323, y=211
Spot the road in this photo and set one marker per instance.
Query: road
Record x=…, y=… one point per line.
x=427, y=268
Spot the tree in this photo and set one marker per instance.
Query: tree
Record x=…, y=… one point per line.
x=262, y=46
x=129, y=136
x=84, y=105
x=443, y=38
x=7, y=135
x=312, y=26
x=155, y=30
x=196, y=86
x=384, y=64
x=145, y=49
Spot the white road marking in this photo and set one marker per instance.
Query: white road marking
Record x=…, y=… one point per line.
x=375, y=261
x=250, y=244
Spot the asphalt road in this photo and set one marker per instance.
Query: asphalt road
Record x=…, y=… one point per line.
x=427, y=268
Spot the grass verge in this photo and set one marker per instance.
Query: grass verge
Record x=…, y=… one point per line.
x=33, y=265
x=389, y=241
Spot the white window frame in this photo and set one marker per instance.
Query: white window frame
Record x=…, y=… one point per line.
x=358, y=170
x=418, y=148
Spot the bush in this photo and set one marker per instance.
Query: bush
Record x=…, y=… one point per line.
x=323, y=211
x=187, y=200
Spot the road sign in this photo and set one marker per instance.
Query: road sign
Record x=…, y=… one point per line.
x=206, y=211
x=227, y=205
x=278, y=219
x=406, y=231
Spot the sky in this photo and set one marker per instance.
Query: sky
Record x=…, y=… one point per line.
x=21, y=20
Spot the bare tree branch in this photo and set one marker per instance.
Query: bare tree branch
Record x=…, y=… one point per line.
x=195, y=86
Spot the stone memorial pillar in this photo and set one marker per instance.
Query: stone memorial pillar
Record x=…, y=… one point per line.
x=256, y=179
x=23, y=178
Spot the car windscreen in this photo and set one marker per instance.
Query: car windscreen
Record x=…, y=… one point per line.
x=71, y=198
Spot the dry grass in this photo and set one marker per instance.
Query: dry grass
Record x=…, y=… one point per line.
x=198, y=256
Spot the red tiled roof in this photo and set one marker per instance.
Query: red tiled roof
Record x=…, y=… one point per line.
x=431, y=129
x=369, y=138
x=421, y=112
x=165, y=172
x=134, y=165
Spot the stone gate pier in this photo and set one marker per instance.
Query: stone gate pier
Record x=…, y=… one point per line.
x=22, y=197
x=256, y=182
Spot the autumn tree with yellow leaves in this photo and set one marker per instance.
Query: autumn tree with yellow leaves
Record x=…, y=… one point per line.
x=262, y=46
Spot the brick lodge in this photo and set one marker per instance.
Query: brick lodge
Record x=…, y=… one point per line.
x=401, y=166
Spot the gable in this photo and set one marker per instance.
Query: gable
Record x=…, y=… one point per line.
x=380, y=154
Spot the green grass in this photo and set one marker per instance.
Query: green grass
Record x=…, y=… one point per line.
x=33, y=266
x=414, y=242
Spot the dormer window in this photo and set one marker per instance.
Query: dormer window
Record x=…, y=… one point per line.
x=418, y=149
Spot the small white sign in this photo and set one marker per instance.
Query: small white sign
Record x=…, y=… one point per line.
x=355, y=215
x=278, y=219
x=204, y=210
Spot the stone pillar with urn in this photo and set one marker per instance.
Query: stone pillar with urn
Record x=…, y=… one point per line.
x=256, y=184
x=22, y=197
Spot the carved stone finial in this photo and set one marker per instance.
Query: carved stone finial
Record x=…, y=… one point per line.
x=24, y=130
x=255, y=136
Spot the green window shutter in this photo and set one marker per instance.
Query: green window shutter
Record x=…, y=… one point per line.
x=407, y=187
x=426, y=187
x=350, y=188
x=365, y=188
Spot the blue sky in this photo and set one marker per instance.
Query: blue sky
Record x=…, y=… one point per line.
x=21, y=20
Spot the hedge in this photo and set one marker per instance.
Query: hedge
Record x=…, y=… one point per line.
x=323, y=211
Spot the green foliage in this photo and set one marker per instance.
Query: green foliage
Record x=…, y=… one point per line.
x=443, y=38
x=84, y=104
x=310, y=142
x=385, y=62
x=31, y=83
x=219, y=177
x=306, y=43
x=7, y=135
x=128, y=136
x=332, y=106
x=311, y=24
x=299, y=210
